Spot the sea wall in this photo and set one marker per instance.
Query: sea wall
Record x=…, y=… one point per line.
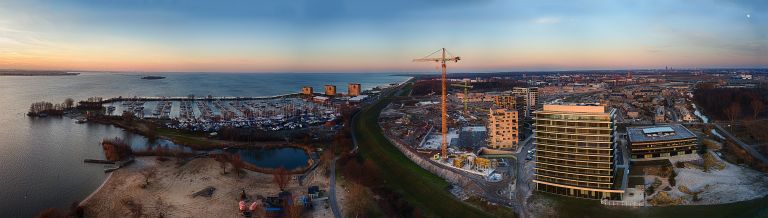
x=429, y=164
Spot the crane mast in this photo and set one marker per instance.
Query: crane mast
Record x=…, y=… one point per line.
x=444, y=109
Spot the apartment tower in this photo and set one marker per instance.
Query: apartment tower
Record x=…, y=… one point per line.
x=307, y=90
x=503, y=128
x=531, y=97
x=330, y=90
x=575, y=151
x=353, y=89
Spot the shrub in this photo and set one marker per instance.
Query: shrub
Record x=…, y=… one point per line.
x=672, y=180
x=680, y=164
x=650, y=190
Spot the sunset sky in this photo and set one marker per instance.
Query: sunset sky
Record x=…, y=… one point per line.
x=379, y=36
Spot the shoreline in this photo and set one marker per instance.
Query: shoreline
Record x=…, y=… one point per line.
x=310, y=163
x=103, y=183
x=169, y=192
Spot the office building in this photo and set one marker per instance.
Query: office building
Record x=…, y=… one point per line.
x=661, y=141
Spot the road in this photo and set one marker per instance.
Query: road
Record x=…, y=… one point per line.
x=743, y=145
x=524, y=177
x=334, y=204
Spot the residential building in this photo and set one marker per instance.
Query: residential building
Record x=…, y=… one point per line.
x=330, y=90
x=661, y=141
x=503, y=128
x=353, y=89
x=509, y=101
x=686, y=115
x=659, y=115
x=576, y=151
x=531, y=97
x=307, y=90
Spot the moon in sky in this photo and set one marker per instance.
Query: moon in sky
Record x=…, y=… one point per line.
x=749, y=16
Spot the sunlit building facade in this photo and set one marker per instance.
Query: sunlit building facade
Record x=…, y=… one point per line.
x=503, y=129
x=353, y=89
x=575, y=151
x=530, y=96
x=307, y=90
x=330, y=90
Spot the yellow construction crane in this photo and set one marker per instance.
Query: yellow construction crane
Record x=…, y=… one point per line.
x=466, y=87
x=442, y=60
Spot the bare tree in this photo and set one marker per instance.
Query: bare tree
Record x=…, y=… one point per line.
x=757, y=107
x=237, y=164
x=68, y=103
x=326, y=158
x=75, y=210
x=128, y=116
x=50, y=213
x=292, y=209
x=281, y=178
x=733, y=111
x=359, y=200
x=223, y=160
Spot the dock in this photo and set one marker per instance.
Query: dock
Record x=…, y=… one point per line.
x=96, y=161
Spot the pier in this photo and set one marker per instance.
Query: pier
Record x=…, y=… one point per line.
x=98, y=161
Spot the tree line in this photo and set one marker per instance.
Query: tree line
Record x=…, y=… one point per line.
x=732, y=104
x=44, y=107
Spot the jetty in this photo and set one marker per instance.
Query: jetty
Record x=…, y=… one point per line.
x=117, y=164
x=97, y=161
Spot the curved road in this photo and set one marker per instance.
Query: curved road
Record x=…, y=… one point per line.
x=334, y=205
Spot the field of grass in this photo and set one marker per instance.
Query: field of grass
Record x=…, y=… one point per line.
x=420, y=188
x=572, y=207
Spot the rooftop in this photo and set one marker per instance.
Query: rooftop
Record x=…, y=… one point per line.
x=658, y=133
x=576, y=107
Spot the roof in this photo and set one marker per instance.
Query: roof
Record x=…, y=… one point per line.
x=358, y=98
x=474, y=129
x=663, y=129
x=472, y=136
x=659, y=133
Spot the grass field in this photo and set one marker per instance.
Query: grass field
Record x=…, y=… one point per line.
x=573, y=207
x=421, y=189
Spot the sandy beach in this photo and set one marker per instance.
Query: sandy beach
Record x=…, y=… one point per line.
x=169, y=193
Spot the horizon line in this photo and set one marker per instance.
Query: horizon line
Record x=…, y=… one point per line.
x=393, y=72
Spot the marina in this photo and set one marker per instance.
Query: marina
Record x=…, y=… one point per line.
x=211, y=114
x=60, y=144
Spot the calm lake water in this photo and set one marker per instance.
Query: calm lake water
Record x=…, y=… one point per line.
x=41, y=160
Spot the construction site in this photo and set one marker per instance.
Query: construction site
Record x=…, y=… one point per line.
x=451, y=125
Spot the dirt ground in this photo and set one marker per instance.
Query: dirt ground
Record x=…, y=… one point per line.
x=731, y=184
x=169, y=193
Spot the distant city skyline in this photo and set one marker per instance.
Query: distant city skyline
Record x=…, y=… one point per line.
x=380, y=36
